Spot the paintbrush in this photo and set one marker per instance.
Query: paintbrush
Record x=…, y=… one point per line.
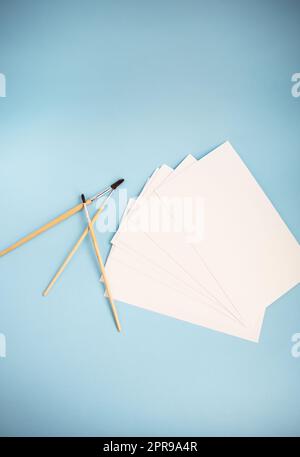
x=56, y=221
x=80, y=240
x=98, y=255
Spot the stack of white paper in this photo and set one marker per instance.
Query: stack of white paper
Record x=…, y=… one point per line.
x=202, y=243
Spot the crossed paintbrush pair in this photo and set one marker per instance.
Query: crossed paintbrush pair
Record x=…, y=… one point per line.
x=89, y=229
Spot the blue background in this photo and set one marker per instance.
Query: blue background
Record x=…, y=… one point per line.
x=101, y=89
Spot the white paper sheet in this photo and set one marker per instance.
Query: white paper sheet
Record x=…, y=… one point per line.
x=141, y=243
x=247, y=245
x=247, y=259
x=131, y=286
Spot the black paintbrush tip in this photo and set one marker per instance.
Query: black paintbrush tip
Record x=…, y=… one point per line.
x=83, y=198
x=117, y=184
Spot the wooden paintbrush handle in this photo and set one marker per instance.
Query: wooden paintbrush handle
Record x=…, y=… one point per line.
x=102, y=268
x=45, y=227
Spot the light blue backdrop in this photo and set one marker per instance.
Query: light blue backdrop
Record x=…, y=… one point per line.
x=97, y=90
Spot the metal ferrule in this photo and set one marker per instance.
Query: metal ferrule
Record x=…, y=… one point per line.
x=95, y=197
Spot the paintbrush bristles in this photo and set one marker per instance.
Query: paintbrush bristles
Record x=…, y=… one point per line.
x=117, y=184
